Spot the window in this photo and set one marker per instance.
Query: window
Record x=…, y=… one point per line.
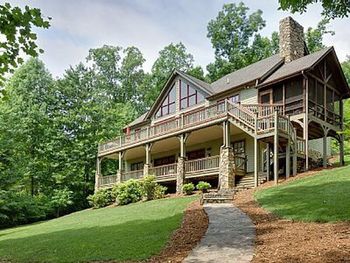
x=136, y=166
x=234, y=98
x=164, y=160
x=278, y=94
x=168, y=105
x=189, y=96
x=198, y=154
x=239, y=147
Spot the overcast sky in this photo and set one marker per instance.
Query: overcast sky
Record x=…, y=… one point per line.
x=79, y=25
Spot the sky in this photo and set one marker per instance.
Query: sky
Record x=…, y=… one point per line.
x=79, y=25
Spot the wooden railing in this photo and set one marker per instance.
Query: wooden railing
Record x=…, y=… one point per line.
x=165, y=171
x=300, y=145
x=264, y=109
x=202, y=165
x=242, y=114
x=240, y=164
x=190, y=119
x=137, y=174
x=107, y=180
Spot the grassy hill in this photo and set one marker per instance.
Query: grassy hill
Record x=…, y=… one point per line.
x=320, y=198
x=132, y=232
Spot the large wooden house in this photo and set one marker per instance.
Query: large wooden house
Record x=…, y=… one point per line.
x=267, y=119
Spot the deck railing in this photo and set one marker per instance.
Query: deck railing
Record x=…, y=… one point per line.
x=240, y=163
x=264, y=109
x=137, y=174
x=300, y=145
x=107, y=180
x=202, y=165
x=242, y=114
x=165, y=171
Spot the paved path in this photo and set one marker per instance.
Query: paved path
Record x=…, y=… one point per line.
x=229, y=238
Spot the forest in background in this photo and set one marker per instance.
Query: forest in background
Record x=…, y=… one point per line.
x=50, y=128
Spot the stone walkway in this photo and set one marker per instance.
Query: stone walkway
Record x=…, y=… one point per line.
x=229, y=238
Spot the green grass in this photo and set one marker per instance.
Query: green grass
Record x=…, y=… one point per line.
x=320, y=198
x=132, y=232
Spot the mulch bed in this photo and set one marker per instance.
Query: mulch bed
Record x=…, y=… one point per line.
x=280, y=240
x=184, y=239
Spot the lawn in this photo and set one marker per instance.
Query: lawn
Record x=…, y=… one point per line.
x=320, y=198
x=132, y=232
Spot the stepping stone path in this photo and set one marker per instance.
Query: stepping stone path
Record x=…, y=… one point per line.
x=229, y=238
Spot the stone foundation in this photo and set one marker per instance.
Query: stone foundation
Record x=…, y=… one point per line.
x=226, y=169
x=180, y=178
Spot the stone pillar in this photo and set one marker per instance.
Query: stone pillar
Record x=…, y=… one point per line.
x=180, y=178
x=226, y=168
x=98, y=173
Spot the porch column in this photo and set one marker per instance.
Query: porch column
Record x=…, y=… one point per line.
x=98, y=173
x=226, y=168
x=288, y=159
x=120, y=168
x=256, y=162
x=341, y=150
x=306, y=138
x=325, y=147
x=181, y=163
x=268, y=161
x=147, y=165
x=275, y=150
x=295, y=153
x=226, y=134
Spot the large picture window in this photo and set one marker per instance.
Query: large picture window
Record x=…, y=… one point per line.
x=189, y=96
x=239, y=147
x=168, y=105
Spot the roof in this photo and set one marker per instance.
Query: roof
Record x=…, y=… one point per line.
x=138, y=120
x=296, y=66
x=255, y=71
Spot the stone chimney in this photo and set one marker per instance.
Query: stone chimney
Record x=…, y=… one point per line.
x=291, y=39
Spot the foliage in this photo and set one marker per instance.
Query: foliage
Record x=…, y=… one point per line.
x=128, y=192
x=314, y=36
x=149, y=186
x=331, y=9
x=346, y=68
x=139, y=231
x=159, y=191
x=188, y=188
x=320, y=198
x=203, y=186
x=60, y=199
x=17, y=35
x=235, y=39
x=101, y=198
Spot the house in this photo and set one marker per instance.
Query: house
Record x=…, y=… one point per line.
x=251, y=125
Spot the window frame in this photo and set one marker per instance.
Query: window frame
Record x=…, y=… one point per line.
x=167, y=105
x=188, y=96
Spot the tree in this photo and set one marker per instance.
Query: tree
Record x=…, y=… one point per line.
x=173, y=56
x=331, y=9
x=314, y=36
x=61, y=199
x=346, y=68
x=16, y=35
x=235, y=39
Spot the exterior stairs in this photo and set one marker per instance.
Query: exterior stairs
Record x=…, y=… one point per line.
x=247, y=182
x=218, y=197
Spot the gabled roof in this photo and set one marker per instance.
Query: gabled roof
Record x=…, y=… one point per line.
x=138, y=120
x=296, y=66
x=256, y=71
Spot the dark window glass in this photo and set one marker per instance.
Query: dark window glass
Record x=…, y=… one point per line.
x=234, y=98
x=164, y=160
x=239, y=147
x=189, y=96
x=136, y=166
x=168, y=105
x=278, y=94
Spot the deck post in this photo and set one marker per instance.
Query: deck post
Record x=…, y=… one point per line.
x=180, y=178
x=325, y=149
x=341, y=150
x=275, y=151
x=98, y=173
x=256, y=162
x=226, y=134
x=288, y=159
x=120, y=168
x=295, y=153
x=268, y=161
x=147, y=164
x=306, y=123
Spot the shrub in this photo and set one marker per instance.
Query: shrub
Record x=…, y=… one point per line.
x=128, y=192
x=159, y=191
x=188, y=188
x=61, y=199
x=101, y=198
x=203, y=186
x=149, y=186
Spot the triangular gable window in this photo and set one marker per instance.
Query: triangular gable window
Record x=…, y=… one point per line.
x=188, y=95
x=168, y=105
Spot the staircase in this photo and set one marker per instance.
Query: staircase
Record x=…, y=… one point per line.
x=218, y=197
x=247, y=182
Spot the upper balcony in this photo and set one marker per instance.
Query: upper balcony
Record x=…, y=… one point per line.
x=257, y=119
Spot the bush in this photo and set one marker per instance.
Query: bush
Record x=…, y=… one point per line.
x=101, y=198
x=128, y=192
x=203, y=186
x=159, y=191
x=149, y=186
x=188, y=188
